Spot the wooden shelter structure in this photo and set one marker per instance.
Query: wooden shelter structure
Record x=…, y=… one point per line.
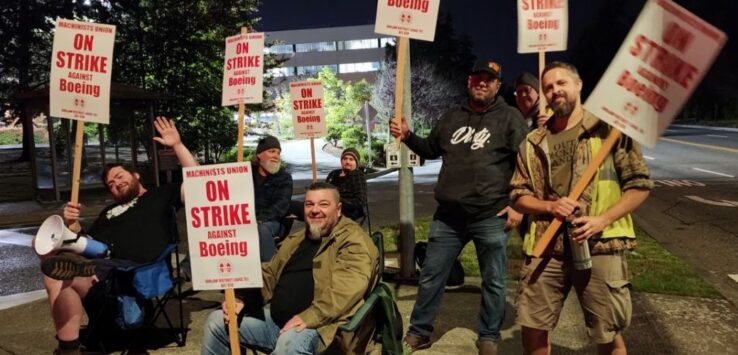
x=125, y=101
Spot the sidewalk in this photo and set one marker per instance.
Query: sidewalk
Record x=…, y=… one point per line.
x=661, y=325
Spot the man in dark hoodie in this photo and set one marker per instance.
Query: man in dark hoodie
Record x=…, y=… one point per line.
x=273, y=191
x=478, y=142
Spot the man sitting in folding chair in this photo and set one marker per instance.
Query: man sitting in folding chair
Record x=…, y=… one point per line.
x=136, y=228
x=315, y=283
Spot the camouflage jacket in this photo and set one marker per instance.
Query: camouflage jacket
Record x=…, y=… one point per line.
x=630, y=166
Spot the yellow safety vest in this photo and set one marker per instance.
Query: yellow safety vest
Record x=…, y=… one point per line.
x=606, y=192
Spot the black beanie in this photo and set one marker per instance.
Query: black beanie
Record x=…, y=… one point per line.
x=351, y=151
x=267, y=143
x=527, y=79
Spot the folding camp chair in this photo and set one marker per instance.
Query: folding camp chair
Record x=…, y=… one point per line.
x=145, y=288
x=380, y=302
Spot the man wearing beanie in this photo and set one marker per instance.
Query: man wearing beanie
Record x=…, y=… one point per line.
x=351, y=184
x=478, y=142
x=273, y=190
x=527, y=97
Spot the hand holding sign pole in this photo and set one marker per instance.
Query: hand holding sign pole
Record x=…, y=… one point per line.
x=661, y=62
x=242, y=83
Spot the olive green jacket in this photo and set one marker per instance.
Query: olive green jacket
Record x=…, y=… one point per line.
x=344, y=269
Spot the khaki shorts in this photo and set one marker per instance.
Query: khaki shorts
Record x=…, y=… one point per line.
x=603, y=292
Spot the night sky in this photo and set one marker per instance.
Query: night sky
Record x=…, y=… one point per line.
x=491, y=24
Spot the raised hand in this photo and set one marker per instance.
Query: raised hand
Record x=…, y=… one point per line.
x=169, y=134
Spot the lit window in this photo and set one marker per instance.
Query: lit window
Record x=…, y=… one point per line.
x=279, y=49
x=315, y=47
x=358, y=67
x=281, y=72
x=315, y=69
x=360, y=44
x=383, y=42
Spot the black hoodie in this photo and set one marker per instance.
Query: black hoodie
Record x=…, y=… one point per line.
x=479, y=152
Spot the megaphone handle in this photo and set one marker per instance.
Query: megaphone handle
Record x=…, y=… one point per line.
x=70, y=241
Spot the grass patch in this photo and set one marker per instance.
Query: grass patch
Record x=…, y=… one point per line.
x=652, y=268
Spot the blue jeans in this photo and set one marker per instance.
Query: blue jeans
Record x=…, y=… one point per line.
x=444, y=246
x=267, y=232
x=261, y=334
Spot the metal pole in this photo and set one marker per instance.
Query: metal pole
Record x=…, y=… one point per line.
x=368, y=135
x=154, y=147
x=407, y=197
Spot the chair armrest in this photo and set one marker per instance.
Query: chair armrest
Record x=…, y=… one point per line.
x=361, y=314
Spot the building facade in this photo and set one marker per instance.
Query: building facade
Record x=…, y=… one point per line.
x=352, y=52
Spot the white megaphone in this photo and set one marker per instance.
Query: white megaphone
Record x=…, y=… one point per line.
x=54, y=235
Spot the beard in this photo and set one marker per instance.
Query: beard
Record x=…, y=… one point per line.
x=563, y=109
x=272, y=167
x=133, y=190
x=314, y=232
x=482, y=99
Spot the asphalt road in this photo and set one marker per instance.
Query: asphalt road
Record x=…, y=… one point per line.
x=692, y=210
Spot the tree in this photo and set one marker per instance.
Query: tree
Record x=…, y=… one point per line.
x=155, y=49
x=439, y=71
x=25, y=31
x=431, y=93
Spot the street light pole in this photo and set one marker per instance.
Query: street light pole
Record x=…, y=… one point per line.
x=407, y=198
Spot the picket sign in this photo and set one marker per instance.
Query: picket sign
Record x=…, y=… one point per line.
x=248, y=89
x=79, y=84
x=308, y=114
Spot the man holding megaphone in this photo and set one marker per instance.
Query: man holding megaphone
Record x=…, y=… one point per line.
x=133, y=230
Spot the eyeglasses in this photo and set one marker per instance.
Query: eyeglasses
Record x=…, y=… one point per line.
x=524, y=90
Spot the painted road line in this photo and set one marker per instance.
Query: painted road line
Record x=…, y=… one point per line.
x=722, y=129
x=734, y=277
x=648, y=158
x=708, y=146
x=10, y=236
x=21, y=298
x=713, y=172
x=716, y=136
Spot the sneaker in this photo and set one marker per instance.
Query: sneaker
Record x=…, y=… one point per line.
x=487, y=347
x=454, y=284
x=413, y=342
x=66, y=266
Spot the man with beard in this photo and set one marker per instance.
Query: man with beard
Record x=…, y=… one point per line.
x=136, y=228
x=315, y=283
x=478, y=142
x=273, y=191
x=550, y=162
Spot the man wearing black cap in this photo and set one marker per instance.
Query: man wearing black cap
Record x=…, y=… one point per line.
x=273, y=190
x=351, y=184
x=478, y=142
x=527, y=98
